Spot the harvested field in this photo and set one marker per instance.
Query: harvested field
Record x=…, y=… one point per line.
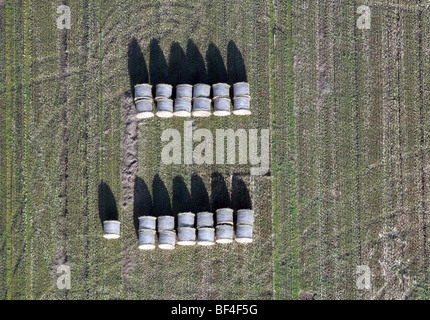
x=348, y=113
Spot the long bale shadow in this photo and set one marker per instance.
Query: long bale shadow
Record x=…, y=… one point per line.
x=220, y=197
x=178, y=67
x=240, y=198
x=161, y=198
x=108, y=209
x=216, y=67
x=181, y=197
x=142, y=202
x=158, y=69
x=199, y=195
x=137, y=69
x=195, y=64
x=235, y=65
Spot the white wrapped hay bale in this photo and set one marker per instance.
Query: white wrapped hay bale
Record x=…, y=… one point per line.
x=222, y=107
x=202, y=107
x=224, y=233
x=224, y=216
x=242, y=106
x=201, y=90
x=142, y=91
x=147, y=222
x=167, y=240
x=245, y=217
x=186, y=219
x=146, y=239
x=221, y=90
x=241, y=89
x=206, y=236
x=165, y=108
x=186, y=236
x=111, y=229
x=244, y=233
x=166, y=223
x=205, y=220
x=184, y=91
x=163, y=91
x=144, y=109
x=182, y=107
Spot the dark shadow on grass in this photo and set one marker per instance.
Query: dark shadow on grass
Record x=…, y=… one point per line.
x=240, y=198
x=178, y=68
x=216, y=67
x=158, y=69
x=142, y=202
x=220, y=197
x=137, y=69
x=161, y=198
x=199, y=195
x=236, y=70
x=181, y=198
x=108, y=209
x=196, y=64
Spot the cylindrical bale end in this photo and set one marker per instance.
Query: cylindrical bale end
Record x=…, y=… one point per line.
x=146, y=239
x=224, y=234
x=186, y=219
x=144, y=109
x=167, y=240
x=147, y=222
x=166, y=223
x=184, y=91
x=242, y=106
x=201, y=90
x=163, y=91
x=186, y=236
x=244, y=233
x=221, y=90
x=142, y=91
x=222, y=107
x=205, y=220
x=165, y=108
x=202, y=107
x=182, y=107
x=224, y=216
x=245, y=217
x=241, y=89
x=111, y=229
x=206, y=236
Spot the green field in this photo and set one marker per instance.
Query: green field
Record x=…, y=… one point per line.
x=349, y=116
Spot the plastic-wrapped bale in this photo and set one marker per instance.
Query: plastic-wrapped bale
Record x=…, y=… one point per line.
x=167, y=240
x=244, y=233
x=224, y=234
x=206, y=236
x=224, y=216
x=186, y=219
x=165, y=108
x=201, y=90
x=147, y=222
x=205, y=220
x=202, y=107
x=245, y=217
x=163, y=91
x=111, y=229
x=166, y=223
x=222, y=107
x=186, y=236
x=242, y=106
x=146, y=239
x=144, y=109
x=142, y=91
x=241, y=89
x=221, y=90
x=184, y=91
x=182, y=107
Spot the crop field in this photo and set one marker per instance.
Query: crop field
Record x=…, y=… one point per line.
x=348, y=111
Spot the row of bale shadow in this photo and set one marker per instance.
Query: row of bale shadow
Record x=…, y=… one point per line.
x=183, y=200
x=184, y=66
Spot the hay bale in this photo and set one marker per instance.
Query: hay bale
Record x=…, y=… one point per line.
x=111, y=229
x=224, y=216
x=222, y=107
x=184, y=91
x=167, y=240
x=242, y=106
x=147, y=222
x=245, y=216
x=244, y=233
x=224, y=233
x=221, y=90
x=202, y=90
x=142, y=91
x=144, y=109
x=241, y=89
x=182, y=107
x=163, y=91
x=186, y=219
x=205, y=220
x=146, y=239
x=206, y=236
x=165, y=108
x=186, y=236
x=166, y=223
x=202, y=107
